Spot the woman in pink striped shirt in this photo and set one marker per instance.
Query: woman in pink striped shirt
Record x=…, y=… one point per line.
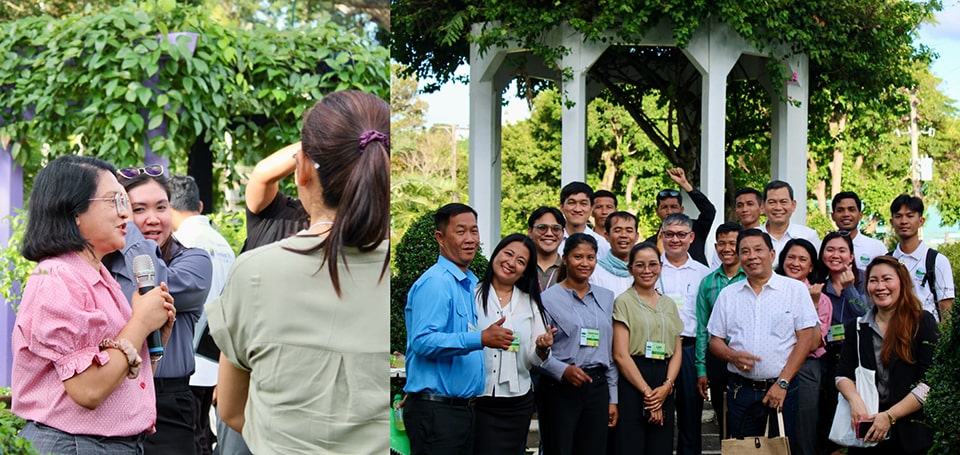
x=78, y=343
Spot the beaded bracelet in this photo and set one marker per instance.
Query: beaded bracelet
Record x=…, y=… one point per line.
x=126, y=347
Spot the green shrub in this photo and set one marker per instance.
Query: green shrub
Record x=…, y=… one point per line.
x=415, y=253
x=10, y=425
x=14, y=269
x=952, y=252
x=232, y=226
x=941, y=409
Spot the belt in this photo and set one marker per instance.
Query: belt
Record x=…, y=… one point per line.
x=453, y=401
x=596, y=371
x=759, y=386
x=171, y=384
x=687, y=341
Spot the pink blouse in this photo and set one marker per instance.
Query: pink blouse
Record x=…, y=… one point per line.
x=825, y=312
x=66, y=310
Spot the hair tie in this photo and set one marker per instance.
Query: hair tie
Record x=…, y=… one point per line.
x=369, y=136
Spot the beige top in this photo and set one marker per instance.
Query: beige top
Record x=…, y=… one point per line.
x=317, y=363
x=659, y=324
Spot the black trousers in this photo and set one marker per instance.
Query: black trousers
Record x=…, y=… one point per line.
x=634, y=433
x=203, y=435
x=438, y=428
x=718, y=376
x=573, y=420
x=502, y=425
x=689, y=403
x=176, y=411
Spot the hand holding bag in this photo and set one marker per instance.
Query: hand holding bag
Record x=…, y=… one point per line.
x=759, y=445
x=841, y=432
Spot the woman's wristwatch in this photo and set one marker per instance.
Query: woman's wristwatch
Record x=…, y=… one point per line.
x=126, y=347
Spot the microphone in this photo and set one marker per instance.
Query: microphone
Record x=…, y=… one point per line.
x=146, y=277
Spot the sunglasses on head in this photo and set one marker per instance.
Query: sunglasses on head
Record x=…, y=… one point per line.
x=840, y=233
x=668, y=193
x=152, y=170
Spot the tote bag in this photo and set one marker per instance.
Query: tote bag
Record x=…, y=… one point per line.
x=841, y=432
x=758, y=445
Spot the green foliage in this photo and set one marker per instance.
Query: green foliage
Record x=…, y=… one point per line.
x=952, y=252
x=416, y=252
x=232, y=226
x=820, y=223
x=943, y=377
x=14, y=269
x=10, y=425
x=86, y=78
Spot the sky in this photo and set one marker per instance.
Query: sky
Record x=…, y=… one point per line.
x=451, y=103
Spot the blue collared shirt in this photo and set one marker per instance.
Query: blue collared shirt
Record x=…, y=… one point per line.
x=444, y=351
x=569, y=314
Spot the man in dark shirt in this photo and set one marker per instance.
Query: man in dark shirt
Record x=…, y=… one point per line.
x=272, y=215
x=670, y=202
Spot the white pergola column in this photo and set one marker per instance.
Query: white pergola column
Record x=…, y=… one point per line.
x=11, y=199
x=487, y=81
x=573, y=151
x=713, y=50
x=788, y=148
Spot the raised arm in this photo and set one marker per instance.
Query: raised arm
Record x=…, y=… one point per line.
x=264, y=180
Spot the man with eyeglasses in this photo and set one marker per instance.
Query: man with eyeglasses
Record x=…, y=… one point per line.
x=680, y=279
x=545, y=227
x=611, y=271
x=846, y=214
x=669, y=202
x=576, y=203
x=779, y=205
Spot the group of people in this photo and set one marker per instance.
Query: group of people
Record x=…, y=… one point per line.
x=288, y=340
x=614, y=343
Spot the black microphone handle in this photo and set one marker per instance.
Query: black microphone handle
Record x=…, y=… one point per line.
x=154, y=340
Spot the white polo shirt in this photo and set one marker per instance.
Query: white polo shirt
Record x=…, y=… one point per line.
x=865, y=249
x=794, y=231
x=681, y=284
x=916, y=264
x=764, y=325
x=601, y=277
x=603, y=246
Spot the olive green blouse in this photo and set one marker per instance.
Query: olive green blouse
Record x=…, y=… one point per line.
x=660, y=323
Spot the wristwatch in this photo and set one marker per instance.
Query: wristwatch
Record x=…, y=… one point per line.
x=783, y=383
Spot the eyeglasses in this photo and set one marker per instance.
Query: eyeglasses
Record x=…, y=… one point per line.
x=653, y=266
x=840, y=233
x=542, y=228
x=153, y=170
x=678, y=235
x=119, y=199
x=668, y=193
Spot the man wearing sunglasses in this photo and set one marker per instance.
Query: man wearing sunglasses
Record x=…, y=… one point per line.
x=545, y=227
x=669, y=202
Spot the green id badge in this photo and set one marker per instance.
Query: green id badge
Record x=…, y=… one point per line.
x=836, y=331
x=515, y=346
x=656, y=351
x=589, y=337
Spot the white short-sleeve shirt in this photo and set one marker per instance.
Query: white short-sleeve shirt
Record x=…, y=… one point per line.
x=865, y=249
x=764, y=324
x=681, y=284
x=916, y=263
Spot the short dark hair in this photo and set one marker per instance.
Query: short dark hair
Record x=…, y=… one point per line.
x=669, y=193
x=575, y=188
x=776, y=185
x=543, y=210
x=577, y=239
x=677, y=218
x=846, y=195
x=754, y=233
x=442, y=218
x=748, y=190
x=61, y=191
x=621, y=214
x=184, y=193
x=605, y=193
x=727, y=227
x=914, y=204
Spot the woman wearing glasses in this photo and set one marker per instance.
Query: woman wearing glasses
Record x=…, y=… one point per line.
x=545, y=228
x=78, y=376
x=302, y=370
x=187, y=272
x=796, y=261
x=509, y=295
x=843, y=285
x=577, y=393
x=646, y=334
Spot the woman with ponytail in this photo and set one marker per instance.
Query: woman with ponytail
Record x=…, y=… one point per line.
x=303, y=323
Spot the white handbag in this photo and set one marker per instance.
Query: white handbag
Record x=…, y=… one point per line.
x=841, y=432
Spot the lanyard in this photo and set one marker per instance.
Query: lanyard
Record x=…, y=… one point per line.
x=549, y=278
x=663, y=323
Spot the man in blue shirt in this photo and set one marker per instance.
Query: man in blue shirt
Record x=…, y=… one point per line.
x=445, y=369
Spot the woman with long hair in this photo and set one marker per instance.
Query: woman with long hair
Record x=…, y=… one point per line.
x=188, y=272
x=577, y=393
x=797, y=262
x=646, y=334
x=302, y=323
x=897, y=339
x=509, y=294
x=843, y=285
x=78, y=375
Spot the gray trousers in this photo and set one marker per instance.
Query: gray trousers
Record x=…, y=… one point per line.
x=49, y=440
